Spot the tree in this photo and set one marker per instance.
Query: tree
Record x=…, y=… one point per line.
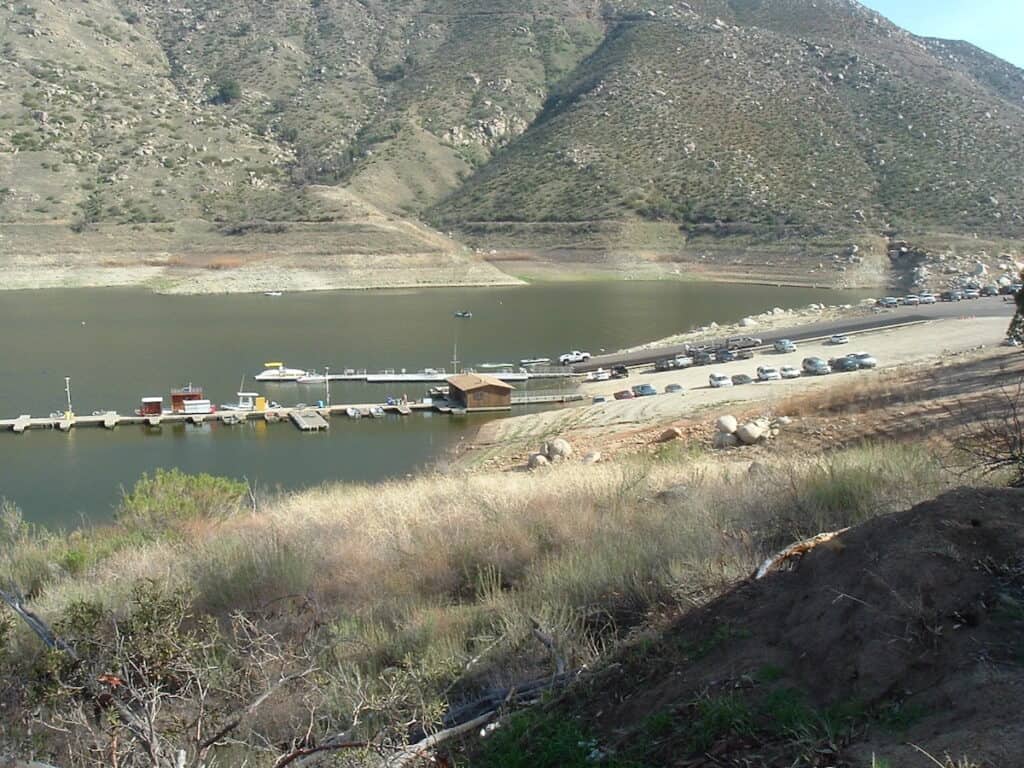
x=1016, y=330
x=228, y=91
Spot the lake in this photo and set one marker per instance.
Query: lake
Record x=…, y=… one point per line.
x=118, y=345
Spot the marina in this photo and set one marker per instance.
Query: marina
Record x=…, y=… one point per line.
x=133, y=344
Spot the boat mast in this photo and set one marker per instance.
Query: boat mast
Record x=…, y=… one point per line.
x=67, y=390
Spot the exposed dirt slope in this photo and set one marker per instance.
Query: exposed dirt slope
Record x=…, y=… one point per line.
x=906, y=630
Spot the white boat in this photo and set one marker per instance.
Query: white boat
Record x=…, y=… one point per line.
x=312, y=378
x=353, y=413
x=493, y=366
x=272, y=293
x=535, y=361
x=377, y=412
x=246, y=402
x=278, y=372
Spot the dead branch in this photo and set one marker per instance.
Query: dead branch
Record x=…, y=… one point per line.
x=794, y=551
x=418, y=749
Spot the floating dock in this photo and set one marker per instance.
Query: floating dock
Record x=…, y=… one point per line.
x=306, y=419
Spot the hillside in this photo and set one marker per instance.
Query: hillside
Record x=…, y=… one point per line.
x=871, y=643
x=745, y=133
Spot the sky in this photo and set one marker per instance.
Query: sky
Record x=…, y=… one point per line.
x=995, y=25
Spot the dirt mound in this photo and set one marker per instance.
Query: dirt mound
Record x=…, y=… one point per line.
x=907, y=630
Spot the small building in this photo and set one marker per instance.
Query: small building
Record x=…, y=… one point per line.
x=480, y=392
x=183, y=395
x=151, y=406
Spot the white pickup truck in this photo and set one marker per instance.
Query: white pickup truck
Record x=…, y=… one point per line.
x=574, y=357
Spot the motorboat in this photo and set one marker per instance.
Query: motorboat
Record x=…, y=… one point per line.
x=273, y=293
x=231, y=418
x=464, y=314
x=312, y=377
x=353, y=413
x=377, y=411
x=495, y=366
x=247, y=403
x=536, y=361
x=279, y=372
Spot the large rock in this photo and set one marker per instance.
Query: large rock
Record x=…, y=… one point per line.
x=724, y=440
x=670, y=434
x=727, y=425
x=750, y=433
x=592, y=458
x=558, y=448
x=537, y=460
x=748, y=322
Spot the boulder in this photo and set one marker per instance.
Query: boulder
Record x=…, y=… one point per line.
x=748, y=322
x=592, y=458
x=750, y=433
x=557, y=448
x=537, y=460
x=670, y=434
x=727, y=425
x=782, y=421
x=723, y=440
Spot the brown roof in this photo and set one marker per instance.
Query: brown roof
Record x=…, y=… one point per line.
x=470, y=381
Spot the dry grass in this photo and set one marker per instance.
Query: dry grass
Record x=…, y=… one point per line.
x=433, y=585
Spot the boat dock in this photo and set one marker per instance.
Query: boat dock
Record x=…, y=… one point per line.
x=306, y=419
x=429, y=376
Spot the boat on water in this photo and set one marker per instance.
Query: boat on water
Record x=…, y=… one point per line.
x=312, y=377
x=377, y=412
x=231, y=418
x=536, y=361
x=353, y=413
x=273, y=293
x=464, y=314
x=247, y=403
x=279, y=372
x=495, y=366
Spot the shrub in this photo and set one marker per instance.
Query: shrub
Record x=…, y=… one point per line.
x=228, y=91
x=170, y=499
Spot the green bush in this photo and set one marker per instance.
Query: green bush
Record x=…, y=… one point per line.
x=171, y=498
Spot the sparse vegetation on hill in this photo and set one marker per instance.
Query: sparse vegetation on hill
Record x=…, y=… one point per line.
x=751, y=124
x=406, y=600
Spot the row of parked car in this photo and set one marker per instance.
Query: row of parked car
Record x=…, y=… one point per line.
x=957, y=294
x=811, y=366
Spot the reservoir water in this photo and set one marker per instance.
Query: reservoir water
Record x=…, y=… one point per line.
x=118, y=345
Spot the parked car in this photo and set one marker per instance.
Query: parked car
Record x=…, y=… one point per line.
x=742, y=342
x=620, y=372
x=644, y=390
x=623, y=394
x=844, y=364
x=784, y=345
x=815, y=366
x=768, y=373
x=717, y=380
x=950, y=296
x=839, y=338
x=864, y=359
x=599, y=375
x=912, y=300
x=927, y=298
x=725, y=356
x=673, y=363
x=574, y=357
x=671, y=389
x=1006, y=290
x=990, y=290
x=972, y=293
x=741, y=378
x=889, y=302
x=703, y=357
x=599, y=399
x=744, y=354
x=789, y=372
x=1009, y=341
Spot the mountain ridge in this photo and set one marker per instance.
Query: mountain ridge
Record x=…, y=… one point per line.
x=690, y=131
